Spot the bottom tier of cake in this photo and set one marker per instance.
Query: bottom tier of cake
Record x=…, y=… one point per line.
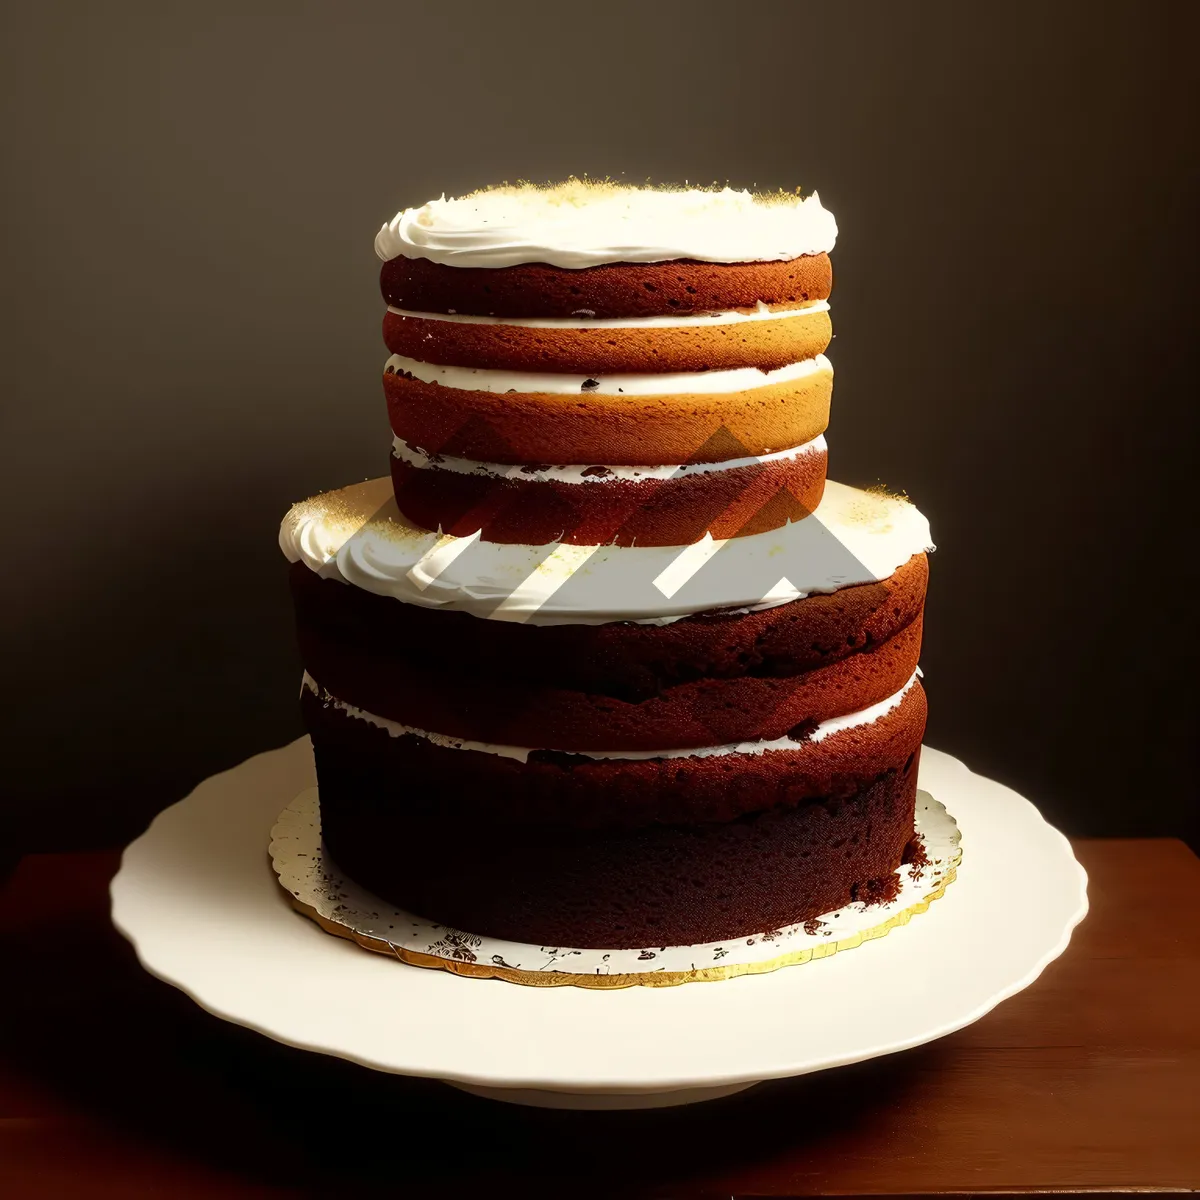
x=616, y=851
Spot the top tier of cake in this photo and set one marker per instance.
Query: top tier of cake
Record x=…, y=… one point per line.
x=587, y=224
x=592, y=364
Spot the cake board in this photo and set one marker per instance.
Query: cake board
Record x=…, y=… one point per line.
x=340, y=906
x=197, y=898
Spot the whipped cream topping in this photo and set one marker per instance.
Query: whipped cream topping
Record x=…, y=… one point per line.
x=826, y=729
x=481, y=379
x=578, y=225
x=730, y=316
x=357, y=535
x=583, y=473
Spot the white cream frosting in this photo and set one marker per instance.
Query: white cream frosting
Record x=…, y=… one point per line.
x=480, y=379
x=582, y=319
x=826, y=729
x=578, y=225
x=357, y=535
x=582, y=473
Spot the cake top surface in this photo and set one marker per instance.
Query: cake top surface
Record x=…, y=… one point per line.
x=357, y=535
x=586, y=224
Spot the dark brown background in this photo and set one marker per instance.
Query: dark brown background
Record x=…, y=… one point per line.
x=192, y=340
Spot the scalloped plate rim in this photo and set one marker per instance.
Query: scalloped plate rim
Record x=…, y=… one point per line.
x=508, y=1079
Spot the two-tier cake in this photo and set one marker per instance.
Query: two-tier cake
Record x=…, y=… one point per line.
x=607, y=662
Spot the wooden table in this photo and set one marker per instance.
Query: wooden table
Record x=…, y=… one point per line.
x=113, y=1084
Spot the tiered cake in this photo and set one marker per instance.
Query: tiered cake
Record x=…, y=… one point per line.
x=607, y=663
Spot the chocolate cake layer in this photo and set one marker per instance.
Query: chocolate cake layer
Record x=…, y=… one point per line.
x=697, y=346
x=613, y=290
x=604, y=508
x=616, y=430
x=483, y=707
x=624, y=660
x=567, y=851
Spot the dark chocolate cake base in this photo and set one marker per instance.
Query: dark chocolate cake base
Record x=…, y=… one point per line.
x=662, y=885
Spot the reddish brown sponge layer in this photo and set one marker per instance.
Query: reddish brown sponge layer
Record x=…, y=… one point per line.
x=613, y=290
x=766, y=344
x=754, y=498
x=705, y=712
x=618, y=430
x=624, y=660
x=618, y=853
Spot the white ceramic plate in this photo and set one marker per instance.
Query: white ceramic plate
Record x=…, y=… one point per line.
x=198, y=899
